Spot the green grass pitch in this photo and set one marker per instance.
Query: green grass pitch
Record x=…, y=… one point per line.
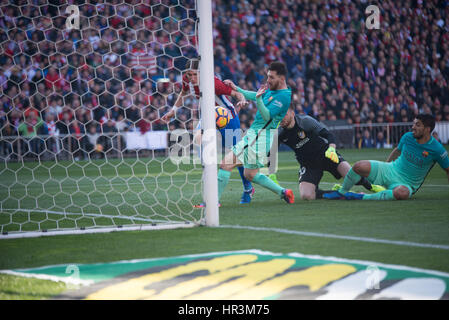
x=340, y=228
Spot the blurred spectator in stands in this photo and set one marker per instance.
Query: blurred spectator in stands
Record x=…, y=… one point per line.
x=108, y=137
x=358, y=139
x=121, y=124
x=8, y=141
x=337, y=68
x=51, y=142
x=92, y=140
x=380, y=140
x=367, y=140
x=29, y=129
x=78, y=139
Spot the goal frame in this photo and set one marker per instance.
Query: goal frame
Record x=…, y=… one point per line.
x=210, y=216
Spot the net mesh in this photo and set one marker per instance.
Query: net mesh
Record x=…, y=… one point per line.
x=84, y=84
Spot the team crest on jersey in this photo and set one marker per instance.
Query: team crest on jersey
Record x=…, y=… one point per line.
x=301, y=134
x=425, y=154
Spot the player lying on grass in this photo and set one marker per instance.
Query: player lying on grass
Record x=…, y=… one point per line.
x=272, y=102
x=405, y=169
x=190, y=83
x=315, y=150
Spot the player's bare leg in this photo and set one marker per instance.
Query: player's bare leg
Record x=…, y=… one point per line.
x=250, y=173
x=307, y=191
x=362, y=168
x=343, y=168
x=401, y=193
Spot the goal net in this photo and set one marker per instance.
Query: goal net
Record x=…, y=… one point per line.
x=82, y=146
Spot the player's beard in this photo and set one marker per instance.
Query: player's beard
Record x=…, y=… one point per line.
x=273, y=86
x=417, y=135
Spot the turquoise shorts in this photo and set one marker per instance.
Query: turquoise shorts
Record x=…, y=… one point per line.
x=252, y=151
x=383, y=173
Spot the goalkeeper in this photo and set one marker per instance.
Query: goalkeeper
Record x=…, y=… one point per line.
x=315, y=150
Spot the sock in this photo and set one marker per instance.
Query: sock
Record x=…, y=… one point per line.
x=350, y=180
x=365, y=183
x=247, y=186
x=223, y=179
x=383, y=195
x=267, y=183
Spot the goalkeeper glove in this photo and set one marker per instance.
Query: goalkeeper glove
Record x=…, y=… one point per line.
x=331, y=153
x=273, y=178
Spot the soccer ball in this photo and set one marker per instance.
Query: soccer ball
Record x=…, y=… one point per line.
x=222, y=117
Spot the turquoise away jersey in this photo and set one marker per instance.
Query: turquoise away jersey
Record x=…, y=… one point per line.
x=416, y=159
x=278, y=102
x=252, y=151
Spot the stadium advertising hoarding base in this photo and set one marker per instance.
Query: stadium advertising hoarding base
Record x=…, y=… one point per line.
x=245, y=275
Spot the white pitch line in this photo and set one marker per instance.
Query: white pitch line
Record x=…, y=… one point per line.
x=341, y=237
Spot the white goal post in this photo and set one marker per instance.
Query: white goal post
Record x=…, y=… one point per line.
x=82, y=146
x=207, y=88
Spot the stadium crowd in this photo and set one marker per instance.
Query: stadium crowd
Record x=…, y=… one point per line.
x=338, y=68
x=104, y=78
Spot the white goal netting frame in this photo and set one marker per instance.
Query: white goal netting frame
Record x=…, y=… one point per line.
x=83, y=85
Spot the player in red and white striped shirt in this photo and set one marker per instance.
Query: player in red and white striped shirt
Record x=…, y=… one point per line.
x=190, y=85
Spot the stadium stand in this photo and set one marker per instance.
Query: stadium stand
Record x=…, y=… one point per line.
x=105, y=80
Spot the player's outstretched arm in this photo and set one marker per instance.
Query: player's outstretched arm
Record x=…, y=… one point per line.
x=231, y=84
x=242, y=102
x=172, y=113
x=442, y=158
x=249, y=95
x=227, y=87
x=394, y=155
x=264, y=112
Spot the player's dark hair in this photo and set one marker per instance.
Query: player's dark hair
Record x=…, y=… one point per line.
x=193, y=64
x=279, y=67
x=427, y=120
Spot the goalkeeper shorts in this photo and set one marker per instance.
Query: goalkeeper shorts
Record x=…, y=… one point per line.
x=312, y=172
